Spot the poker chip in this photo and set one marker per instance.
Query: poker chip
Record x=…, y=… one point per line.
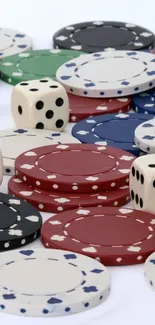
x=57, y=202
x=92, y=75
x=145, y=136
x=114, y=236
x=96, y=36
x=34, y=65
x=82, y=107
x=144, y=102
x=110, y=129
x=14, y=141
x=20, y=222
x=74, y=167
x=149, y=268
x=13, y=42
x=86, y=285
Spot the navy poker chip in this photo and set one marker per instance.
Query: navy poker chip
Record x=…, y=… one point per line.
x=144, y=102
x=116, y=130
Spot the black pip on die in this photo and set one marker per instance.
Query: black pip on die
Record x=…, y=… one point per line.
x=40, y=104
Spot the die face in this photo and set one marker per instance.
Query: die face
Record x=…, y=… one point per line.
x=19, y=109
x=138, y=190
x=151, y=197
x=33, y=87
x=43, y=104
x=51, y=111
x=142, y=183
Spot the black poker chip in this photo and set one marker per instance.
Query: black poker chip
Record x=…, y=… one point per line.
x=20, y=222
x=98, y=36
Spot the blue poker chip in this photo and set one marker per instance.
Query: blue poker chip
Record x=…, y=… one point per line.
x=144, y=102
x=116, y=130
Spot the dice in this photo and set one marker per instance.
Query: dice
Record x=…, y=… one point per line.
x=142, y=183
x=40, y=104
x=1, y=167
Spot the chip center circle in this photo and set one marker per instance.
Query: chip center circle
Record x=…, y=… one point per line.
x=43, y=282
x=108, y=230
x=39, y=65
x=104, y=130
x=110, y=69
x=76, y=163
x=98, y=35
x=6, y=41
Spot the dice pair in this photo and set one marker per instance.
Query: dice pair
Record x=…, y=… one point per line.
x=40, y=104
x=142, y=183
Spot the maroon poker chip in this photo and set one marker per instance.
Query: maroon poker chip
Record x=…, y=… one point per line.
x=75, y=167
x=114, y=236
x=57, y=202
x=82, y=107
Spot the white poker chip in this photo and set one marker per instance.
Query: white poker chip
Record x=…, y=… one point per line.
x=149, y=270
x=15, y=141
x=13, y=42
x=108, y=74
x=145, y=136
x=65, y=282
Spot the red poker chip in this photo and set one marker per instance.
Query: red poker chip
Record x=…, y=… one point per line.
x=55, y=202
x=115, y=236
x=82, y=107
x=75, y=167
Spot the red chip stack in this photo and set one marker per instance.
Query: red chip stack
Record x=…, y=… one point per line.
x=66, y=176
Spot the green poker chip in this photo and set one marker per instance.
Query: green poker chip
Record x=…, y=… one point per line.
x=34, y=64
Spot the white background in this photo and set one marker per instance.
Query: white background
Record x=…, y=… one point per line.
x=131, y=300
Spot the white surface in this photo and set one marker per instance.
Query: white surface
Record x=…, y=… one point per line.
x=105, y=73
x=131, y=300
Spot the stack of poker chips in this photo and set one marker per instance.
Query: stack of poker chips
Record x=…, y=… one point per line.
x=66, y=176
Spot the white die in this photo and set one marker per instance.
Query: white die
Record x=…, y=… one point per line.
x=40, y=104
x=142, y=183
x=1, y=167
